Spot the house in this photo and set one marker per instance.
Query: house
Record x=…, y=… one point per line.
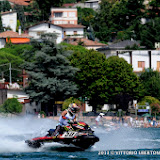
x=62, y=30
x=141, y=59
x=23, y=98
x=13, y=37
x=9, y=19
x=45, y=27
x=64, y=16
x=94, y=4
x=89, y=44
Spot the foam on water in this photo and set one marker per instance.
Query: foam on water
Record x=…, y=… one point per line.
x=14, y=132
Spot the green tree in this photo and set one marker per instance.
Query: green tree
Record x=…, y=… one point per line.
x=46, y=5
x=85, y=16
x=154, y=9
x=4, y=6
x=151, y=83
x=117, y=17
x=13, y=55
x=20, y=15
x=155, y=107
x=149, y=100
x=11, y=106
x=90, y=78
x=51, y=74
x=149, y=33
x=123, y=84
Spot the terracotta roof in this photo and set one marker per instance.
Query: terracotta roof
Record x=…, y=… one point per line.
x=87, y=42
x=70, y=26
x=7, y=12
x=68, y=5
x=13, y=35
x=20, y=2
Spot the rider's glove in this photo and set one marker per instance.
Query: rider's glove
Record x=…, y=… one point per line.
x=70, y=121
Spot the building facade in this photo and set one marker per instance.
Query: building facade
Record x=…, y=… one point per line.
x=141, y=60
x=9, y=20
x=64, y=16
x=62, y=31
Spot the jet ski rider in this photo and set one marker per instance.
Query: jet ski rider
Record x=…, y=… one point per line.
x=68, y=115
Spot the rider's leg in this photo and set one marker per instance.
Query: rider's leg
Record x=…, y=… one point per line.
x=57, y=130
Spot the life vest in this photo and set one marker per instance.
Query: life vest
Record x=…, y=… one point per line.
x=65, y=121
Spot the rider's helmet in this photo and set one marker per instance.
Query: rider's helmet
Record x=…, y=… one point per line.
x=101, y=114
x=73, y=108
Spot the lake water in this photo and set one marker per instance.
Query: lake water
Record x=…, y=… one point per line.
x=122, y=143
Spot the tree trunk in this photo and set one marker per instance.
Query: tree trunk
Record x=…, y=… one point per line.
x=94, y=107
x=54, y=109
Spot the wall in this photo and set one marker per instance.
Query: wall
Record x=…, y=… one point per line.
x=2, y=42
x=10, y=20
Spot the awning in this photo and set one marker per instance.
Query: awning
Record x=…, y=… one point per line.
x=18, y=40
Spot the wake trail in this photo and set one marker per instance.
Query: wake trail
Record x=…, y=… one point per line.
x=14, y=132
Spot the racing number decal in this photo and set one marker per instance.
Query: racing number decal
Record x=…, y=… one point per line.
x=69, y=134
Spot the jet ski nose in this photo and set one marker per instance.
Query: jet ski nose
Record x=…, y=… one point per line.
x=96, y=139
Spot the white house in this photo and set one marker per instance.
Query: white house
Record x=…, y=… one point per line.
x=94, y=4
x=142, y=59
x=62, y=31
x=9, y=19
x=45, y=27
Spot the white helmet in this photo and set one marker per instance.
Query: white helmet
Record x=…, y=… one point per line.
x=73, y=108
x=101, y=114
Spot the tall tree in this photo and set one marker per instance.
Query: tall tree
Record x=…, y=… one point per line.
x=51, y=74
x=117, y=16
x=45, y=7
x=123, y=84
x=90, y=78
x=20, y=14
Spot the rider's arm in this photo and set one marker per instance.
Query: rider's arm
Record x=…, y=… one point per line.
x=74, y=119
x=63, y=114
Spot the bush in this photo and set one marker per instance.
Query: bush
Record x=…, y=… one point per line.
x=69, y=101
x=11, y=106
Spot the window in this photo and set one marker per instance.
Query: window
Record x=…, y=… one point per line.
x=58, y=14
x=71, y=22
x=141, y=64
x=158, y=65
x=72, y=14
x=75, y=32
x=64, y=14
x=39, y=33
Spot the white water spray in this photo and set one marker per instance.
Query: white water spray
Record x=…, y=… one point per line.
x=14, y=132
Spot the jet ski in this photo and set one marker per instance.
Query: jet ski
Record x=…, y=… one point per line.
x=78, y=134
